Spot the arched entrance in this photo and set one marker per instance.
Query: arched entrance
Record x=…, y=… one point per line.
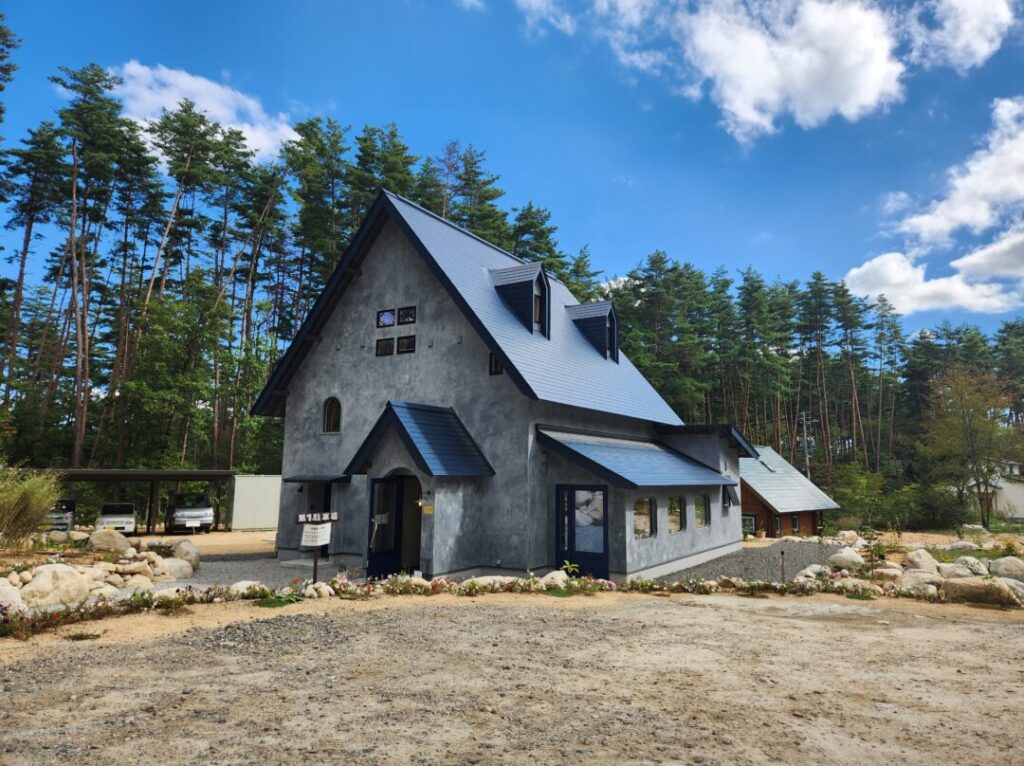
x=395, y=525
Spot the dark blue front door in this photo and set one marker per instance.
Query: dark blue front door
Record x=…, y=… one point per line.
x=384, y=554
x=582, y=527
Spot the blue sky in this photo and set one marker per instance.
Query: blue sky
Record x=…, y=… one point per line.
x=882, y=142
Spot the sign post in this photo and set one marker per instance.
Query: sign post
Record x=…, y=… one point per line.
x=316, y=531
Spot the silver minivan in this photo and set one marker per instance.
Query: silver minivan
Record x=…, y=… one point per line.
x=189, y=511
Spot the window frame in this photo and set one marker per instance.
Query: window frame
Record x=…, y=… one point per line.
x=323, y=416
x=398, y=344
x=384, y=343
x=706, y=515
x=795, y=524
x=398, y=315
x=394, y=319
x=682, y=514
x=652, y=515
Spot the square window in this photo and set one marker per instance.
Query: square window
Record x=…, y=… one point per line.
x=676, y=515
x=407, y=315
x=644, y=510
x=386, y=318
x=385, y=347
x=406, y=344
x=494, y=366
x=702, y=510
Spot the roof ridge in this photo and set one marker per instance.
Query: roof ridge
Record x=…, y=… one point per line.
x=467, y=232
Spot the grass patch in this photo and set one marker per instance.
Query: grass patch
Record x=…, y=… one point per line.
x=860, y=596
x=276, y=602
x=81, y=636
x=558, y=593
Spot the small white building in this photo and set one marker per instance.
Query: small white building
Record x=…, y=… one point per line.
x=1008, y=491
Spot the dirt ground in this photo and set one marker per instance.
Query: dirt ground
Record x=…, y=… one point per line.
x=615, y=678
x=220, y=543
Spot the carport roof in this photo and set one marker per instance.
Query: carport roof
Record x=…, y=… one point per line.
x=631, y=463
x=434, y=436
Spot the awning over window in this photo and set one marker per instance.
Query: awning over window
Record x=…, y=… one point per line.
x=436, y=439
x=317, y=477
x=631, y=463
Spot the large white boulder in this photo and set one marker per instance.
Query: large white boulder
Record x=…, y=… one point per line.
x=488, y=581
x=104, y=593
x=179, y=569
x=1008, y=566
x=56, y=584
x=1016, y=586
x=138, y=582
x=976, y=566
x=954, y=570
x=554, y=580
x=77, y=536
x=187, y=551
x=979, y=590
x=240, y=587
x=10, y=597
x=847, y=558
x=108, y=540
x=916, y=578
x=853, y=585
x=920, y=591
x=847, y=536
x=923, y=560
x=56, y=536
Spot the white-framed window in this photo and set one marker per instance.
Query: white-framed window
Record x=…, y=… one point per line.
x=796, y=523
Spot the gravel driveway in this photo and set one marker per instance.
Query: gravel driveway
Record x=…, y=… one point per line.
x=760, y=563
x=225, y=570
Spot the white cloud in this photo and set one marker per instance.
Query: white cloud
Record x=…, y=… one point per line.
x=805, y=58
x=985, y=189
x=765, y=60
x=540, y=12
x=895, y=202
x=959, y=33
x=146, y=91
x=1002, y=258
x=906, y=285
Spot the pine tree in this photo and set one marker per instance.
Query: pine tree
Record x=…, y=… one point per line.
x=9, y=42
x=582, y=278
x=473, y=207
x=37, y=176
x=532, y=238
x=429, y=189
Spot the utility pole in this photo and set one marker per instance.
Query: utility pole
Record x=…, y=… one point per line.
x=807, y=446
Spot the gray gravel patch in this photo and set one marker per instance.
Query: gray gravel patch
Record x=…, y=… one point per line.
x=229, y=570
x=761, y=563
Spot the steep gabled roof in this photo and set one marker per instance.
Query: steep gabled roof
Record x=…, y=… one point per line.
x=434, y=436
x=781, y=485
x=562, y=369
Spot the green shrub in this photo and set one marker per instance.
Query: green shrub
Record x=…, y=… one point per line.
x=25, y=499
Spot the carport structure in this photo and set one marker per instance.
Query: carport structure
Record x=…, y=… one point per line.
x=154, y=477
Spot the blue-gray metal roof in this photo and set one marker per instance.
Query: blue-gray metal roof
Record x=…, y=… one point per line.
x=781, y=485
x=558, y=365
x=631, y=462
x=587, y=310
x=434, y=436
x=563, y=369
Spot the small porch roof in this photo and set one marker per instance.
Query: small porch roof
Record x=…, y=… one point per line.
x=434, y=436
x=631, y=463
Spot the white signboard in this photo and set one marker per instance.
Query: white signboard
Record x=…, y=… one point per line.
x=314, y=535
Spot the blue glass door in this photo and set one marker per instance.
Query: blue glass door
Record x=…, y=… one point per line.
x=582, y=528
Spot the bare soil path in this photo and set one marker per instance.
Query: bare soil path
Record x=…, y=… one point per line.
x=525, y=679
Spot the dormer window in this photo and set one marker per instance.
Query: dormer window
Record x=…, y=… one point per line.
x=599, y=325
x=526, y=292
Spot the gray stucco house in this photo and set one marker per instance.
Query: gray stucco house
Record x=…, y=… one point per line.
x=463, y=413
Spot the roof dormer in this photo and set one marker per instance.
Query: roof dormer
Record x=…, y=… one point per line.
x=526, y=291
x=599, y=325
